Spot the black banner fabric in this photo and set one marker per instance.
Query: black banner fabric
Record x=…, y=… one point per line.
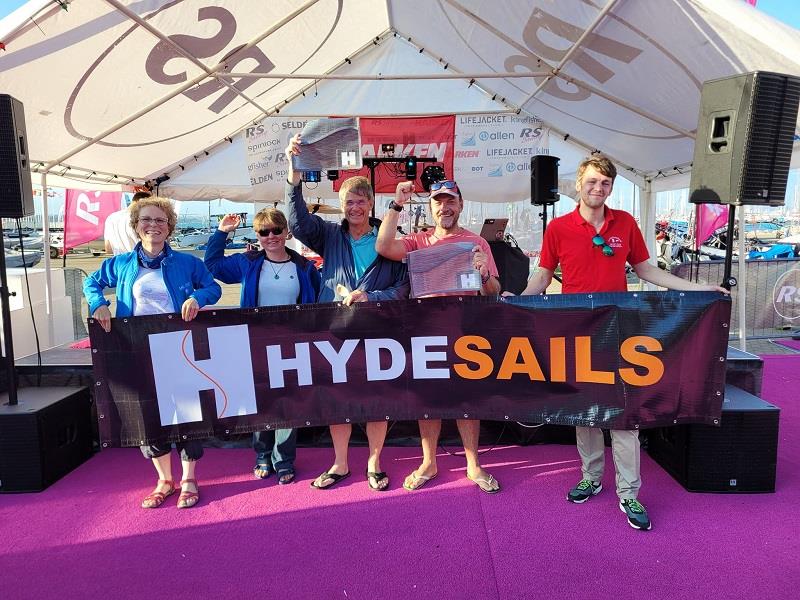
x=614, y=360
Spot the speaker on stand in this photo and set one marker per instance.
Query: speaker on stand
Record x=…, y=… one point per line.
x=744, y=144
x=49, y=433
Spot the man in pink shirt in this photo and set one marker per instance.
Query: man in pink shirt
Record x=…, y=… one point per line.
x=446, y=205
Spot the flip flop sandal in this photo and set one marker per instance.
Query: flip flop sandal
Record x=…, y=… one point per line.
x=488, y=482
x=189, y=499
x=378, y=476
x=336, y=479
x=418, y=486
x=264, y=468
x=285, y=476
x=156, y=499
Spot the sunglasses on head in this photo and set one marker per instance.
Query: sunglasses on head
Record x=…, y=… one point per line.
x=599, y=242
x=272, y=230
x=447, y=184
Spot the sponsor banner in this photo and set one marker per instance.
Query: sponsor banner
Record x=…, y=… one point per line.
x=423, y=137
x=618, y=360
x=266, y=162
x=493, y=155
x=85, y=215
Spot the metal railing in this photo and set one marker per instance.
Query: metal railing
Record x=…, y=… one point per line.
x=771, y=312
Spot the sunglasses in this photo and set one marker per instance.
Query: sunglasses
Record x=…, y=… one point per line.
x=447, y=184
x=272, y=230
x=599, y=242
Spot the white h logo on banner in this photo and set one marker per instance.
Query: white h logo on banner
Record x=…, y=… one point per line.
x=179, y=377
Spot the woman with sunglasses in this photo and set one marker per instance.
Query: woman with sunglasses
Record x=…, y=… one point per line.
x=272, y=276
x=155, y=279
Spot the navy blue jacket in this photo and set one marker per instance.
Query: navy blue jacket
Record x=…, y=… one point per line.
x=384, y=279
x=245, y=268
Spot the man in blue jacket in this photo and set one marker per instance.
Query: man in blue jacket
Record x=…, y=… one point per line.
x=352, y=271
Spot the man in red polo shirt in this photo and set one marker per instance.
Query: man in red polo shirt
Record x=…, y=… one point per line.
x=592, y=245
x=446, y=205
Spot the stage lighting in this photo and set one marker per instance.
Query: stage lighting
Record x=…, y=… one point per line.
x=311, y=176
x=411, y=167
x=432, y=174
x=332, y=175
x=387, y=149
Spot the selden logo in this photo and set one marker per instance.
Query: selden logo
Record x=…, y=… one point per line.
x=786, y=295
x=228, y=372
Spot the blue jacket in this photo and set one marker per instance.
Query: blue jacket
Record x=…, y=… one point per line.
x=384, y=279
x=245, y=268
x=184, y=275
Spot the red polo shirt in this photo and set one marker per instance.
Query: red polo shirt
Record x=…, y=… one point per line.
x=584, y=267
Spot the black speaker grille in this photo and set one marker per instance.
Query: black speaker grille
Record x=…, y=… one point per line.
x=770, y=132
x=16, y=193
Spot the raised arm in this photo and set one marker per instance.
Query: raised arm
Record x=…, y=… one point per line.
x=228, y=269
x=307, y=228
x=387, y=244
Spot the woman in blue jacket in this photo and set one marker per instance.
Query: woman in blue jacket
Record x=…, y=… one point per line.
x=272, y=276
x=155, y=279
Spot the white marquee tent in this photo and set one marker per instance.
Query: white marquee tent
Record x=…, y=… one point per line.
x=134, y=88
x=123, y=91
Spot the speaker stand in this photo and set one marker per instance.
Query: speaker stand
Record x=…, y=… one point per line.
x=8, y=342
x=729, y=281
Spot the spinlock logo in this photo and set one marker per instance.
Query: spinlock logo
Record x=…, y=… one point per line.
x=495, y=135
x=786, y=295
x=228, y=372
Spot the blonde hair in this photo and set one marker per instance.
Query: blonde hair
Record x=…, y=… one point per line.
x=358, y=185
x=160, y=203
x=601, y=164
x=269, y=215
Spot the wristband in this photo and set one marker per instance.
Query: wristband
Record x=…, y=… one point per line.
x=395, y=206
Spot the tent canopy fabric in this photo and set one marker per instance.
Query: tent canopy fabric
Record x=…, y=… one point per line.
x=131, y=90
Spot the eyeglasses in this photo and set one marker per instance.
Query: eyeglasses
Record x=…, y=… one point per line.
x=160, y=221
x=599, y=242
x=447, y=183
x=272, y=230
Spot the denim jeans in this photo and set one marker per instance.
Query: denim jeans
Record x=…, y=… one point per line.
x=281, y=444
x=190, y=450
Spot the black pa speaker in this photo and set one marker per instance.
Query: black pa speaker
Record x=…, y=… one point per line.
x=738, y=456
x=44, y=437
x=744, y=139
x=544, y=179
x=16, y=193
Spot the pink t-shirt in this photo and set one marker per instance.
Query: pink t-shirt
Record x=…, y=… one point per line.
x=416, y=241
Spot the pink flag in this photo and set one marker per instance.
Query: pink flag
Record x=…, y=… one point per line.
x=85, y=215
x=710, y=217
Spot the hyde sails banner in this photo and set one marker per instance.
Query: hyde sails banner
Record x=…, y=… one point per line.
x=617, y=360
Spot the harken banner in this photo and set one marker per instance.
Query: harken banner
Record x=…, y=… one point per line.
x=617, y=360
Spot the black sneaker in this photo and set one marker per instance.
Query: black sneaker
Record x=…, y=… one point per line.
x=636, y=513
x=583, y=491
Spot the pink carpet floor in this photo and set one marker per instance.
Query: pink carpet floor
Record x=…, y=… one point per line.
x=85, y=537
x=789, y=343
